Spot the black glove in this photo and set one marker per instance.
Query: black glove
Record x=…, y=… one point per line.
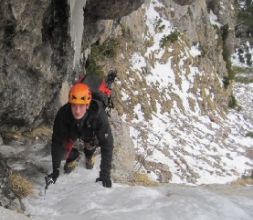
x=105, y=181
x=112, y=74
x=51, y=178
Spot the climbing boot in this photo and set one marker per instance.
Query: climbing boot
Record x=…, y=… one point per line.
x=70, y=166
x=89, y=162
x=72, y=161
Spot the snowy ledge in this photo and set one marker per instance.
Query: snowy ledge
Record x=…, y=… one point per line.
x=9, y=214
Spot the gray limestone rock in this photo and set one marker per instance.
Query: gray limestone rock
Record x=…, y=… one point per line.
x=36, y=55
x=101, y=9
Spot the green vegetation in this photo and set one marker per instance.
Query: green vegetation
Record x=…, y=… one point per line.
x=239, y=69
x=249, y=134
x=159, y=27
x=226, y=82
x=226, y=56
x=92, y=67
x=232, y=102
x=126, y=32
x=171, y=38
x=149, y=42
x=243, y=74
x=107, y=50
x=245, y=16
x=244, y=80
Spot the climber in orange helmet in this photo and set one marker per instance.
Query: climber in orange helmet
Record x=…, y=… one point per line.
x=81, y=118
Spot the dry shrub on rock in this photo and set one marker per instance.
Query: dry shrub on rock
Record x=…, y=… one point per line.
x=20, y=185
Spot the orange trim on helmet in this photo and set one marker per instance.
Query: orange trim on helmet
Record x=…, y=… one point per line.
x=80, y=94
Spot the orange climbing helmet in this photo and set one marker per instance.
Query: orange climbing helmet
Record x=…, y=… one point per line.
x=80, y=94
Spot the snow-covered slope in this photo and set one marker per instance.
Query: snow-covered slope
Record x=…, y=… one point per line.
x=76, y=196
x=8, y=214
x=181, y=136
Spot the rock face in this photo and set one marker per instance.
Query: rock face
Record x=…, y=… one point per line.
x=36, y=60
x=37, y=57
x=123, y=153
x=35, y=48
x=111, y=9
x=204, y=27
x=215, y=41
x=102, y=17
x=184, y=2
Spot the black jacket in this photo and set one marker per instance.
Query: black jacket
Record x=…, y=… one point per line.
x=95, y=122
